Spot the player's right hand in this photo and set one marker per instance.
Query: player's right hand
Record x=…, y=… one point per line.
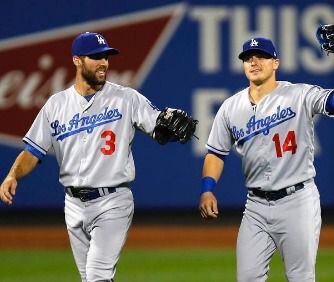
x=8, y=189
x=208, y=206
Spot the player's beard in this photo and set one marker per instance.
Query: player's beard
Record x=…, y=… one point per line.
x=91, y=76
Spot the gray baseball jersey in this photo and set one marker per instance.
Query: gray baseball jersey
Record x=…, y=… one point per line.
x=92, y=140
x=276, y=141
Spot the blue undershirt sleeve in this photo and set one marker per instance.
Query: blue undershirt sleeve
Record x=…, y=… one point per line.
x=34, y=152
x=330, y=103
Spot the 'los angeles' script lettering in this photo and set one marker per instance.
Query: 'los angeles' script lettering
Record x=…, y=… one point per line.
x=84, y=123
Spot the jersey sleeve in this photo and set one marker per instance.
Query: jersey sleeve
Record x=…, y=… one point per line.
x=38, y=138
x=315, y=98
x=144, y=113
x=220, y=139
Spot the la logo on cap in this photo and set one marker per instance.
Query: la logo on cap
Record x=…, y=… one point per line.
x=254, y=43
x=100, y=39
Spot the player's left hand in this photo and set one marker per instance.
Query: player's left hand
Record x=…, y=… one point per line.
x=325, y=36
x=174, y=125
x=208, y=205
x=8, y=189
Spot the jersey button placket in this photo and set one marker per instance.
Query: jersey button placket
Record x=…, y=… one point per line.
x=83, y=160
x=83, y=180
x=266, y=160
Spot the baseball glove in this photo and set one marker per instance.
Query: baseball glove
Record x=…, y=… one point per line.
x=174, y=125
x=325, y=36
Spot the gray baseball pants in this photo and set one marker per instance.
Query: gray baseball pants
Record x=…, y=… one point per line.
x=291, y=225
x=97, y=231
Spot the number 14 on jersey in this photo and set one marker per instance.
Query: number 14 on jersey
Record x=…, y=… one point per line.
x=289, y=144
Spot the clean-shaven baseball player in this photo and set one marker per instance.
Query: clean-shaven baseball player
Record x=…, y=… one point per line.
x=270, y=124
x=91, y=127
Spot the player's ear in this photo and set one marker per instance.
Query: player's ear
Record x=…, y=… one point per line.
x=276, y=64
x=76, y=61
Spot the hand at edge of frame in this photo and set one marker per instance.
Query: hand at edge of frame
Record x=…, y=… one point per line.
x=8, y=190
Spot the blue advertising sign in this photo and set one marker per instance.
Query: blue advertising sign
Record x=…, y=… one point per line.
x=180, y=54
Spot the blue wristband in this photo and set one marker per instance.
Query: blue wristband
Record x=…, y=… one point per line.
x=208, y=184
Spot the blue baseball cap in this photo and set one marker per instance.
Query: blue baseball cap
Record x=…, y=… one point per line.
x=89, y=43
x=259, y=44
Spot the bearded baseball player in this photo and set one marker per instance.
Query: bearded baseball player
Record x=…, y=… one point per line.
x=270, y=124
x=91, y=127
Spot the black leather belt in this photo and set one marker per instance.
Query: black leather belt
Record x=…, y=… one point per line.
x=88, y=194
x=276, y=195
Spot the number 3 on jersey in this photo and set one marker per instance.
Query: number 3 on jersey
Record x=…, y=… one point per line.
x=289, y=144
x=109, y=146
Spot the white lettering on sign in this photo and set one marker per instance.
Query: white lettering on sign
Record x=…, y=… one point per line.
x=33, y=90
x=309, y=22
x=209, y=36
x=222, y=31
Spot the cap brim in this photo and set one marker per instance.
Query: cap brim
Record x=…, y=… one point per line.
x=110, y=51
x=113, y=51
x=254, y=50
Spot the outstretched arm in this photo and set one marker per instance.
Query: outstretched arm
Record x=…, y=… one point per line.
x=212, y=170
x=23, y=165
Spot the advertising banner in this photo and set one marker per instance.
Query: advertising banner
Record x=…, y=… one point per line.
x=180, y=54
